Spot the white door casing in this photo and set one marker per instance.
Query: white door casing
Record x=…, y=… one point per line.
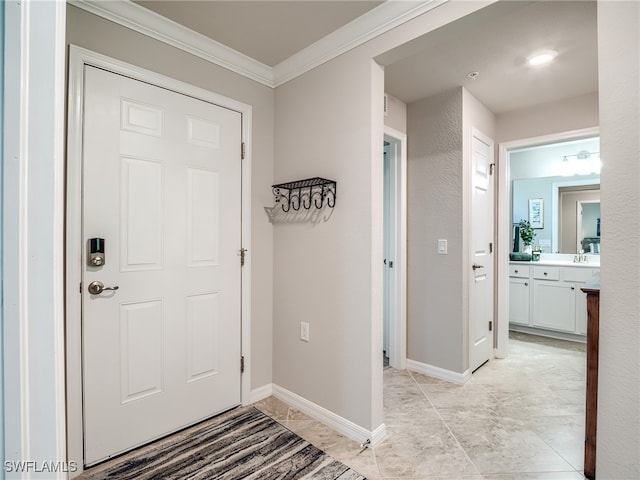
x=396, y=239
x=389, y=246
x=162, y=183
x=79, y=58
x=481, y=281
x=505, y=224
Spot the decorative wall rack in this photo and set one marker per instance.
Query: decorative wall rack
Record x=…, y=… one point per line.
x=311, y=192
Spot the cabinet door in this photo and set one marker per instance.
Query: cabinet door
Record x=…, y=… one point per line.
x=581, y=309
x=555, y=305
x=519, y=301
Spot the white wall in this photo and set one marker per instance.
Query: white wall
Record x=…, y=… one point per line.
x=32, y=228
x=549, y=118
x=2, y=73
x=396, y=116
x=618, y=444
x=94, y=33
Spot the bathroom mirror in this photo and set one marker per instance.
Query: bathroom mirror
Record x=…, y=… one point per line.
x=563, y=179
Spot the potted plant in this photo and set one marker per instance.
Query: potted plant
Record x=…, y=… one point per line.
x=526, y=234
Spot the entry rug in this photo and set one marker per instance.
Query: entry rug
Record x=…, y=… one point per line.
x=241, y=444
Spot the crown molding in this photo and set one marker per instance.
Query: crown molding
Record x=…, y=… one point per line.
x=381, y=19
x=375, y=22
x=142, y=20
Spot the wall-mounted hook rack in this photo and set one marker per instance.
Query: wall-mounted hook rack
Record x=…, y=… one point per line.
x=305, y=193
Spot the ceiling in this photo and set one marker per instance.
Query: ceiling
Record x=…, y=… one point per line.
x=267, y=31
x=494, y=41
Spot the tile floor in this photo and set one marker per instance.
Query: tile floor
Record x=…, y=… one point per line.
x=521, y=418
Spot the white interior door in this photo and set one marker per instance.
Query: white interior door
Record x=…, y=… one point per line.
x=161, y=186
x=481, y=284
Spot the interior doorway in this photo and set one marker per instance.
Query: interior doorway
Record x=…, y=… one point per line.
x=506, y=216
x=395, y=252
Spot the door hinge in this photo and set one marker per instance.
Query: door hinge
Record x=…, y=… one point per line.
x=490, y=247
x=491, y=167
x=242, y=364
x=242, y=151
x=80, y=287
x=243, y=252
x=491, y=326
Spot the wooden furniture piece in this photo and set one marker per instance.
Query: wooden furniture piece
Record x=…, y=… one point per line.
x=593, y=335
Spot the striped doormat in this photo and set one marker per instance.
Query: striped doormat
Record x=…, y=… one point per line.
x=241, y=444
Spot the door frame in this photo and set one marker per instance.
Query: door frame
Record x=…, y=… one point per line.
x=398, y=283
x=78, y=59
x=504, y=229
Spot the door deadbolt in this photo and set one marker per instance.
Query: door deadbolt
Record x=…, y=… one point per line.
x=96, y=288
x=96, y=252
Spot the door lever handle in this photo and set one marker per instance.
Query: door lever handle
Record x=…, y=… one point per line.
x=476, y=266
x=96, y=288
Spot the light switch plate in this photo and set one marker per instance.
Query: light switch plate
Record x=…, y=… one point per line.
x=304, y=331
x=442, y=247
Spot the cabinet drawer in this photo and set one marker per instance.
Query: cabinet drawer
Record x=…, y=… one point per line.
x=546, y=273
x=520, y=271
x=579, y=274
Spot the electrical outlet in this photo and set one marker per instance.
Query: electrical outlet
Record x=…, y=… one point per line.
x=304, y=331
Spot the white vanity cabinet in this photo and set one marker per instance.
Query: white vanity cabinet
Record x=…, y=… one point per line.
x=547, y=300
x=519, y=287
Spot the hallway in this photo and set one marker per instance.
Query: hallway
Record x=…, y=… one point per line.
x=521, y=418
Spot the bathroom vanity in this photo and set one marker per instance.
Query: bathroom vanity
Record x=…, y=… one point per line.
x=545, y=296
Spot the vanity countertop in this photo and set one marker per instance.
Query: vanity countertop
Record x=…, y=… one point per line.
x=562, y=260
x=557, y=263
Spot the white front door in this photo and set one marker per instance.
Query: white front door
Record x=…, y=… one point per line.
x=162, y=188
x=481, y=283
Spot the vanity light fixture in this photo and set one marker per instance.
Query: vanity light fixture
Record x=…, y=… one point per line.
x=581, y=163
x=542, y=58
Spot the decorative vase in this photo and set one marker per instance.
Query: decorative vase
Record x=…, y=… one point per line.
x=527, y=249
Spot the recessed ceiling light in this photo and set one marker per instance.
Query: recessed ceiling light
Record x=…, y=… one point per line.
x=542, y=58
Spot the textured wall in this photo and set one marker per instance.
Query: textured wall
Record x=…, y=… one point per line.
x=94, y=33
x=618, y=449
x=434, y=211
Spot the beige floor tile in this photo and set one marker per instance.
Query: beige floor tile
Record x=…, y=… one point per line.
x=565, y=434
x=276, y=409
x=537, y=476
x=519, y=418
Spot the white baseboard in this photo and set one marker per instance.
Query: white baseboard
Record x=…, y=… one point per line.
x=437, y=372
x=336, y=422
x=378, y=435
x=261, y=393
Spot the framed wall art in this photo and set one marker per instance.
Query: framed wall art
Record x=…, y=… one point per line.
x=536, y=212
